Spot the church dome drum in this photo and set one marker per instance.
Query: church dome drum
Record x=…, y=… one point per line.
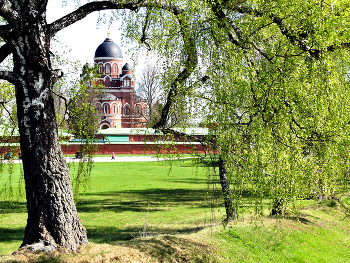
x=126, y=67
x=108, y=49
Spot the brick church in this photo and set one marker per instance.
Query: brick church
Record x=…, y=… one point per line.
x=118, y=105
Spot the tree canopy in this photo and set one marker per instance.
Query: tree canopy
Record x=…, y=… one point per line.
x=270, y=79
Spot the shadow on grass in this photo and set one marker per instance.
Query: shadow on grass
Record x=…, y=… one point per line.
x=107, y=234
x=11, y=235
x=138, y=200
x=199, y=181
x=157, y=199
x=176, y=249
x=112, y=234
x=205, y=162
x=302, y=219
x=12, y=207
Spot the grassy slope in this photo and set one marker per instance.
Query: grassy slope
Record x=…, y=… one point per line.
x=124, y=196
x=321, y=234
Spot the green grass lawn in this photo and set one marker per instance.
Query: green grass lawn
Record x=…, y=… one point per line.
x=173, y=204
x=321, y=235
x=174, y=199
x=123, y=194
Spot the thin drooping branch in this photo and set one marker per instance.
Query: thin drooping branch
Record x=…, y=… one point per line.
x=227, y=24
x=66, y=105
x=2, y=103
x=5, y=50
x=224, y=182
x=190, y=65
x=295, y=38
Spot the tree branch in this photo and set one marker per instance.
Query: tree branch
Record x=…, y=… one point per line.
x=89, y=8
x=65, y=104
x=8, y=13
x=144, y=29
x=217, y=10
x=2, y=103
x=190, y=65
x=292, y=36
x=5, y=50
x=335, y=47
x=56, y=75
x=5, y=31
x=9, y=76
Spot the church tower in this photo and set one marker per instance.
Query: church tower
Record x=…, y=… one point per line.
x=119, y=106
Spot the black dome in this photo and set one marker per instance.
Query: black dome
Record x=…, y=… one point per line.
x=126, y=67
x=108, y=49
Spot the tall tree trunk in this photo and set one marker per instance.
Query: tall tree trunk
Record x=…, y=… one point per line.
x=52, y=216
x=226, y=191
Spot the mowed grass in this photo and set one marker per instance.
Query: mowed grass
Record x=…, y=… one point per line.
x=124, y=199
x=171, y=206
x=320, y=234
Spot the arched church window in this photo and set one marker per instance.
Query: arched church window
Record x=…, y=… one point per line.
x=105, y=108
x=119, y=111
x=144, y=111
x=98, y=108
x=127, y=83
x=100, y=68
x=114, y=109
x=138, y=110
x=114, y=69
x=108, y=68
x=127, y=110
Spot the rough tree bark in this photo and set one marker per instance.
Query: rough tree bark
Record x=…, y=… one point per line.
x=52, y=216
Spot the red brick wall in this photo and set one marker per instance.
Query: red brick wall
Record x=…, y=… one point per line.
x=131, y=148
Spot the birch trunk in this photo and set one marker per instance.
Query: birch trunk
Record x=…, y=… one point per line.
x=226, y=191
x=52, y=216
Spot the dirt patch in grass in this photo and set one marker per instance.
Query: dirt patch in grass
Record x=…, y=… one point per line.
x=154, y=249
x=87, y=253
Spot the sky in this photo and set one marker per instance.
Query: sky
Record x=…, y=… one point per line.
x=84, y=36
